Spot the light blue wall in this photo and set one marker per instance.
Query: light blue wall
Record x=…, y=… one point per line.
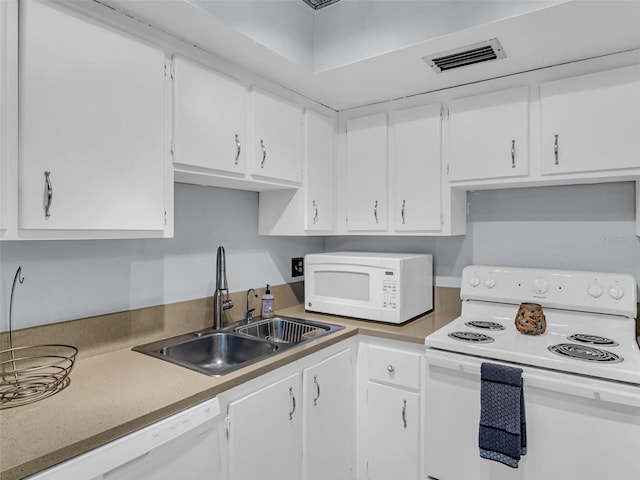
x=578, y=227
x=65, y=280
x=583, y=227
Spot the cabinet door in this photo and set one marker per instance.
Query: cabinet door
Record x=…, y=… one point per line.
x=92, y=125
x=590, y=123
x=416, y=160
x=394, y=433
x=367, y=173
x=328, y=390
x=209, y=119
x=489, y=135
x=277, y=138
x=265, y=431
x=319, y=194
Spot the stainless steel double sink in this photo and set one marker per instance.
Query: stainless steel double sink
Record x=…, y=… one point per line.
x=217, y=352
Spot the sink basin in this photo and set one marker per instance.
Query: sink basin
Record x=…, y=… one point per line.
x=217, y=352
x=213, y=353
x=286, y=330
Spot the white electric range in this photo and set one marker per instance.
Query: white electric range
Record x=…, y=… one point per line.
x=581, y=377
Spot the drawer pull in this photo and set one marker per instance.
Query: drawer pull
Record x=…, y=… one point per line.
x=315, y=400
x=238, y=149
x=293, y=401
x=48, y=192
x=404, y=413
x=391, y=369
x=264, y=153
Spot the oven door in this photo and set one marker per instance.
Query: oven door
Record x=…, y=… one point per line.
x=577, y=427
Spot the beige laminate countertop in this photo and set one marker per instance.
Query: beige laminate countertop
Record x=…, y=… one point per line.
x=115, y=393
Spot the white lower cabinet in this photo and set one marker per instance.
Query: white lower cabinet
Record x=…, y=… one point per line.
x=389, y=443
x=264, y=431
x=393, y=445
x=296, y=422
x=328, y=418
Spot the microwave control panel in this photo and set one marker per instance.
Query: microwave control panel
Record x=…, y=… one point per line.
x=389, y=291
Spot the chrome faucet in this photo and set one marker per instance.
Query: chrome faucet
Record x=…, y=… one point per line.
x=221, y=295
x=249, y=315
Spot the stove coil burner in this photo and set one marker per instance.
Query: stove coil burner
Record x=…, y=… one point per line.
x=471, y=337
x=592, y=339
x=584, y=352
x=484, y=325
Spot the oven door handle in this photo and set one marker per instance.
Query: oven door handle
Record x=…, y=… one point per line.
x=460, y=365
x=584, y=388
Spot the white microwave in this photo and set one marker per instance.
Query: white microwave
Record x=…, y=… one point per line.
x=385, y=287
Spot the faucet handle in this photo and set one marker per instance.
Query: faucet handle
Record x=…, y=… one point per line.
x=249, y=316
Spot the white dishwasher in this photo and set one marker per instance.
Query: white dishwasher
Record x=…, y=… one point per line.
x=185, y=445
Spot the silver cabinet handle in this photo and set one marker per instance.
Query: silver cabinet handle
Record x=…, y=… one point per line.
x=404, y=413
x=315, y=400
x=375, y=211
x=513, y=154
x=238, y=149
x=391, y=369
x=48, y=192
x=315, y=214
x=555, y=150
x=402, y=210
x=293, y=401
x=264, y=153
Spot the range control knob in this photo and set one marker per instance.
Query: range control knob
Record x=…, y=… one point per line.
x=490, y=281
x=540, y=286
x=616, y=292
x=594, y=290
x=474, y=280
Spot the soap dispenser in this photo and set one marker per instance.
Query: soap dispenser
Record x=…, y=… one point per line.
x=267, y=304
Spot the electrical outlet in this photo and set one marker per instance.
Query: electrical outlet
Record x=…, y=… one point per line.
x=297, y=267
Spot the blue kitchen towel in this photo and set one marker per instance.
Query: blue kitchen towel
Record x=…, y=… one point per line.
x=503, y=428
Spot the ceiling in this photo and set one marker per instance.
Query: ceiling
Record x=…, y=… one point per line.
x=553, y=34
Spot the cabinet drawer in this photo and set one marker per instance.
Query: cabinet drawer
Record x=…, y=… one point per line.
x=394, y=367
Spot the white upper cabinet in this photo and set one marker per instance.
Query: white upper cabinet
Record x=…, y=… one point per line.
x=591, y=122
x=209, y=119
x=489, y=135
x=366, y=181
x=319, y=186
x=277, y=138
x=309, y=210
x=93, y=138
x=416, y=165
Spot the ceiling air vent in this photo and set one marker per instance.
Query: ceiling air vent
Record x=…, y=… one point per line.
x=317, y=4
x=469, y=55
